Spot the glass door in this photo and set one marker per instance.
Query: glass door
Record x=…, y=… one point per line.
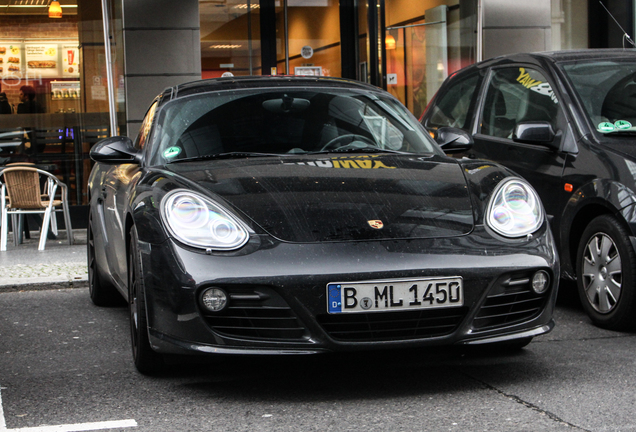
x=312, y=38
x=424, y=46
x=417, y=59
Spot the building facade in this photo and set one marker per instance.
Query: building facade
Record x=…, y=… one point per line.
x=73, y=78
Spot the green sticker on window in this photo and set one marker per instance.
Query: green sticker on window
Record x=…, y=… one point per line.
x=606, y=127
x=622, y=124
x=174, y=151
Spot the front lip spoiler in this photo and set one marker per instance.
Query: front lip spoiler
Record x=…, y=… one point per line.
x=167, y=344
x=510, y=337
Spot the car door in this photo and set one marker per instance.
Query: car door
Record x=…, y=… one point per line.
x=518, y=94
x=115, y=194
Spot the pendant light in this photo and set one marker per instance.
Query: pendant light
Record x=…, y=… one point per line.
x=55, y=10
x=389, y=42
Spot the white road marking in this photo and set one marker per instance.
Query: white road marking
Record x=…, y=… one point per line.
x=3, y=424
x=79, y=427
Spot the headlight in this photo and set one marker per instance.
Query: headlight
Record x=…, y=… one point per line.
x=197, y=221
x=515, y=209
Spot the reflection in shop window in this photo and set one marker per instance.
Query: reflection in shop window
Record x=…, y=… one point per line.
x=61, y=62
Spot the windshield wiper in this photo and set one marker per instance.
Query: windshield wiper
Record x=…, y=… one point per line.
x=621, y=133
x=227, y=155
x=358, y=150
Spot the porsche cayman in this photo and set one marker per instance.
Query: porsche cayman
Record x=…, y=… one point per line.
x=288, y=215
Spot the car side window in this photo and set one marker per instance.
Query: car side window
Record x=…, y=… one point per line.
x=515, y=95
x=452, y=107
x=145, y=127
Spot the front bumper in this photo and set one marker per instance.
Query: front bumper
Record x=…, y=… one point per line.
x=278, y=293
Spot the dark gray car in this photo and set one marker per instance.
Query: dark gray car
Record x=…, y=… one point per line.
x=566, y=121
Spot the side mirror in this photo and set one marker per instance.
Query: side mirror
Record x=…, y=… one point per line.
x=115, y=150
x=453, y=140
x=538, y=132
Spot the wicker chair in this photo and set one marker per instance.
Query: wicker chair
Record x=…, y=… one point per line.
x=26, y=195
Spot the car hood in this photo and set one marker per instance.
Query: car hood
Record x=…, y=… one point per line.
x=345, y=198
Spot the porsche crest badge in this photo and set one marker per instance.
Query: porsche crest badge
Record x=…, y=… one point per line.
x=377, y=224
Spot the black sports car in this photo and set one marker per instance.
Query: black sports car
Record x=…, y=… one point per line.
x=566, y=122
x=265, y=215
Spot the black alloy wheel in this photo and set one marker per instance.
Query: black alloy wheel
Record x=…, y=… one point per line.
x=101, y=293
x=605, y=272
x=147, y=361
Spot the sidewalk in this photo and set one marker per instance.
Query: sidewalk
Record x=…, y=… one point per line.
x=60, y=265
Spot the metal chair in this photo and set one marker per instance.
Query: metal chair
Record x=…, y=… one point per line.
x=27, y=195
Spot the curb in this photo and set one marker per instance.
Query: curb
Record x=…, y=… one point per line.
x=43, y=286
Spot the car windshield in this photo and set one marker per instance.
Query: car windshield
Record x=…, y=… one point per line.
x=239, y=123
x=607, y=89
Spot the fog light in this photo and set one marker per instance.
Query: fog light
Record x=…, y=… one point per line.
x=214, y=299
x=540, y=282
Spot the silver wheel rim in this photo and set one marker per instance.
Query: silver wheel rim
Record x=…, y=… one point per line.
x=602, y=273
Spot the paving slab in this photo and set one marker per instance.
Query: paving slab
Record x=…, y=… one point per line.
x=59, y=265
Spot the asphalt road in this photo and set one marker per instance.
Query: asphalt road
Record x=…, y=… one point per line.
x=66, y=363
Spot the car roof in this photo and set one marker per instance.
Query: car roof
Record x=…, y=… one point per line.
x=570, y=55
x=554, y=57
x=264, y=82
x=588, y=54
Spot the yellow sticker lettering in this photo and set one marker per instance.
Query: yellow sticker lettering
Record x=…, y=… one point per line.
x=522, y=74
x=379, y=164
x=348, y=164
x=525, y=79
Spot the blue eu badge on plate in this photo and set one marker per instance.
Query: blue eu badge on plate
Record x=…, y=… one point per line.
x=334, y=300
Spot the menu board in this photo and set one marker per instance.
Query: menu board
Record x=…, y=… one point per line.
x=70, y=61
x=65, y=90
x=39, y=60
x=42, y=60
x=11, y=61
x=308, y=70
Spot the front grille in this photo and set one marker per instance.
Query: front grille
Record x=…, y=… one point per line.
x=258, y=313
x=381, y=326
x=512, y=301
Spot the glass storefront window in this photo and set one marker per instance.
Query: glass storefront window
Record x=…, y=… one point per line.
x=53, y=75
x=307, y=37
x=569, y=24
x=363, y=43
x=230, y=38
x=313, y=38
x=425, y=42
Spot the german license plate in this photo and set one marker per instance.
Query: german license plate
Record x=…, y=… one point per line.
x=385, y=295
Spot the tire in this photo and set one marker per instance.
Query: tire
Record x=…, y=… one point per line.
x=101, y=292
x=147, y=361
x=605, y=273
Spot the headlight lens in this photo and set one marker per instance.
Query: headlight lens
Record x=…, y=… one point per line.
x=197, y=221
x=515, y=209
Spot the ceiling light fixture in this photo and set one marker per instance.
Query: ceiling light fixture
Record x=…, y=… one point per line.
x=227, y=46
x=55, y=10
x=389, y=42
